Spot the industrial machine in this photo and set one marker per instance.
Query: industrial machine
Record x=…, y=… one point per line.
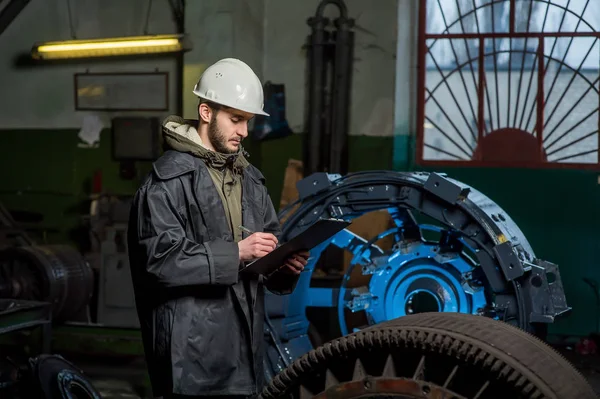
x=108, y=235
x=56, y=274
x=452, y=250
x=10, y=234
x=432, y=355
x=41, y=285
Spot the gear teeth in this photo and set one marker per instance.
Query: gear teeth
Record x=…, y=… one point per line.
x=389, y=370
x=420, y=371
x=330, y=379
x=305, y=393
x=359, y=371
x=389, y=340
x=521, y=381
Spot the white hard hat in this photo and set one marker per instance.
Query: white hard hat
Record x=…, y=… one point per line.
x=232, y=83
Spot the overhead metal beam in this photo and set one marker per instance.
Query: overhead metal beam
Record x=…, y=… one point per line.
x=10, y=12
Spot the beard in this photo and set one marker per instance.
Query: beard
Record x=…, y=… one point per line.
x=217, y=138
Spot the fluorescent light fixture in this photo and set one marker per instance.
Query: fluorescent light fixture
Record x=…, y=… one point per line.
x=108, y=47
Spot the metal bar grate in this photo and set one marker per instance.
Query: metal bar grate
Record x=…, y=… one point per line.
x=509, y=82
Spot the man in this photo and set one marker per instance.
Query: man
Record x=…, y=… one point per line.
x=202, y=321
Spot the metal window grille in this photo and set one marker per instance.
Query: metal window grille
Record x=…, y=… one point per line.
x=509, y=83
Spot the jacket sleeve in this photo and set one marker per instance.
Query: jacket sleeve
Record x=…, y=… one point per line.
x=172, y=258
x=277, y=282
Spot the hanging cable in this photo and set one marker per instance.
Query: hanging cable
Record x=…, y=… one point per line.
x=72, y=29
x=178, y=8
x=147, y=17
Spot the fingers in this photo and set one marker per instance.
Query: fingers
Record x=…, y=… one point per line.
x=302, y=257
x=294, y=266
x=267, y=236
x=300, y=261
x=302, y=254
x=295, y=263
x=266, y=243
x=259, y=250
x=260, y=254
x=292, y=269
x=264, y=247
x=263, y=239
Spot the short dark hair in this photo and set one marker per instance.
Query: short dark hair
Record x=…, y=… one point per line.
x=214, y=106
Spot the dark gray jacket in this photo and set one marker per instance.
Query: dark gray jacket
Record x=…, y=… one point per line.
x=202, y=326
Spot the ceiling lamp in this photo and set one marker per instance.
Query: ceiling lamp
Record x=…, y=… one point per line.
x=109, y=47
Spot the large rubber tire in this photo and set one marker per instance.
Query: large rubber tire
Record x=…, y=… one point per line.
x=515, y=363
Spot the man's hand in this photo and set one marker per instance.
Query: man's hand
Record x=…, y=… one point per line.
x=256, y=246
x=295, y=263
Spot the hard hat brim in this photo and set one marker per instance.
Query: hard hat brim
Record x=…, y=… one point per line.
x=234, y=106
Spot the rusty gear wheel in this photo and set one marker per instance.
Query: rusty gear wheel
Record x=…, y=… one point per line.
x=432, y=355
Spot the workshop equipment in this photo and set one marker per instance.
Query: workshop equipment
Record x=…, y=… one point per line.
x=52, y=376
x=433, y=355
x=330, y=62
x=116, y=301
x=57, y=274
x=16, y=315
x=47, y=376
x=109, y=216
x=454, y=250
x=10, y=234
x=275, y=126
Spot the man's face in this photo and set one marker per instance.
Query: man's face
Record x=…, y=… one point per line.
x=227, y=128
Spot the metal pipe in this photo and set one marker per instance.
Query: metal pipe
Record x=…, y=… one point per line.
x=325, y=147
x=316, y=54
x=344, y=53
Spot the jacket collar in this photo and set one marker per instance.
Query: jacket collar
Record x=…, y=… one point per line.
x=173, y=163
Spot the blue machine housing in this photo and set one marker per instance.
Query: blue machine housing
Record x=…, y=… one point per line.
x=466, y=256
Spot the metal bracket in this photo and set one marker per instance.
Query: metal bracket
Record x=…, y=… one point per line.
x=509, y=261
x=546, y=291
x=445, y=189
x=314, y=184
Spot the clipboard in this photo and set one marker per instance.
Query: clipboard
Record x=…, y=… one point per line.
x=320, y=231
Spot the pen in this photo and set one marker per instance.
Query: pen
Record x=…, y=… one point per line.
x=247, y=230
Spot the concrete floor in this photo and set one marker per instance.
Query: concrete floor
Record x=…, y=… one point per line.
x=116, y=389
x=118, y=379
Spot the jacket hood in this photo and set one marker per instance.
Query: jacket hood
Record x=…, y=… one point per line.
x=181, y=135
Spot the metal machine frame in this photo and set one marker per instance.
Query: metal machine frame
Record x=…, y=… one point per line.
x=481, y=263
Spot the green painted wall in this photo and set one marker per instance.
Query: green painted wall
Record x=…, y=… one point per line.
x=272, y=157
x=45, y=171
